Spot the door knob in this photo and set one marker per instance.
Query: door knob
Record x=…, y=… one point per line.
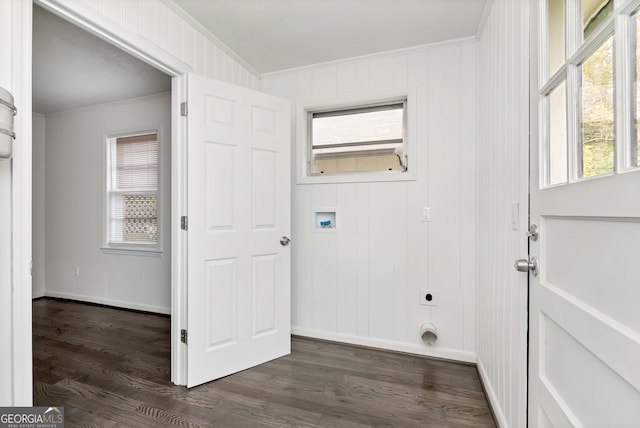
x=525, y=265
x=284, y=241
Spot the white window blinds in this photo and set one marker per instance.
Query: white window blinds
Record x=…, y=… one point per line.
x=132, y=187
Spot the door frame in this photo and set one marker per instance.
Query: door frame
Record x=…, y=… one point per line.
x=21, y=42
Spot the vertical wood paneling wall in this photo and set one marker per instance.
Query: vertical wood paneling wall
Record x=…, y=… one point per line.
x=362, y=284
x=503, y=182
x=159, y=23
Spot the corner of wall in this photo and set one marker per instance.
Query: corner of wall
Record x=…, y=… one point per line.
x=494, y=403
x=483, y=18
x=503, y=90
x=178, y=10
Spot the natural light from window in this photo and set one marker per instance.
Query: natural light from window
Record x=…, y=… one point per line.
x=635, y=149
x=597, y=125
x=357, y=140
x=558, y=135
x=133, y=190
x=582, y=88
x=594, y=12
x=557, y=45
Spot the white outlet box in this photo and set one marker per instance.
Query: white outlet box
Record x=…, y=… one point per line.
x=428, y=297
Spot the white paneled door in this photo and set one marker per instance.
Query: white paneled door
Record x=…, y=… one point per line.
x=584, y=343
x=239, y=209
x=584, y=321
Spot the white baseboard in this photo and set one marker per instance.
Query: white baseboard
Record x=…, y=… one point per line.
x=449, y=354
x=37, y=294
x=498, y=413
x=109, y=302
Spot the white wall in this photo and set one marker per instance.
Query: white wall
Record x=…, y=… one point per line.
x=74, y=203
x=362, y=284
x=503, y=181
x=38, y=238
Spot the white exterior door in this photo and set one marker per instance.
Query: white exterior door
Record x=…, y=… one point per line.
x=584, y=321
x=239, y=209
x=584, y=343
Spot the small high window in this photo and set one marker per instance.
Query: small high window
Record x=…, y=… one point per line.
x=361, y=139
x=132, y=191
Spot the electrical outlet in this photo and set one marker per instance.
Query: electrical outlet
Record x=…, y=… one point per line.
x=428, y=297
x=77, y=271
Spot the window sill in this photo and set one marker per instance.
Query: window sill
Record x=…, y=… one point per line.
x=126, y=251
x=356, y=177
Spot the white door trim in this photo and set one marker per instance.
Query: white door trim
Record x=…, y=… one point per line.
x=96, y=23
x=21, y=344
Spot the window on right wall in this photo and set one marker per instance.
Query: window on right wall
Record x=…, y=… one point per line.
x=367, y=138
x=589, y=89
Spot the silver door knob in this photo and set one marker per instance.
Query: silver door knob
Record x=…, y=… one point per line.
x=284, y=241
x=525, y=265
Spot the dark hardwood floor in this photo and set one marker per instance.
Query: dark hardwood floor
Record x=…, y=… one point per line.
x=110, y=368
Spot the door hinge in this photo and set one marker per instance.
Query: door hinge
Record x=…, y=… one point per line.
x=184, y=223
x=183, y=336
x=184, y=109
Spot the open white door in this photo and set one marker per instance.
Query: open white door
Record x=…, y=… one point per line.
x=584, y=342
x=239, y=211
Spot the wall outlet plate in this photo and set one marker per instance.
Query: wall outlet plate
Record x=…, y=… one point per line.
x=428, y=297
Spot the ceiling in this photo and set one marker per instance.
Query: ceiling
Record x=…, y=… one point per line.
x=73, y=69
x=274, y=35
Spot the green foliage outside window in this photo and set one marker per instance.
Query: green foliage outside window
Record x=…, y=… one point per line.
x=598, y=138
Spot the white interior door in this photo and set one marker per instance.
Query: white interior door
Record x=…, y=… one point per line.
x=239, y=209
x=584, y=341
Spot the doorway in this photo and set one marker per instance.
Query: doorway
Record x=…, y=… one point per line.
x=20, y=385
x=86, y=91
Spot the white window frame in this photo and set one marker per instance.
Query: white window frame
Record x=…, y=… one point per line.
x=125, y=248
x=577, y=51
x=303, y=146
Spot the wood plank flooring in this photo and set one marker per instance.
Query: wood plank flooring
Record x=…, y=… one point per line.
x=110, y=368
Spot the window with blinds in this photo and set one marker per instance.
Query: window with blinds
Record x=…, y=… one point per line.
x=132, y=190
